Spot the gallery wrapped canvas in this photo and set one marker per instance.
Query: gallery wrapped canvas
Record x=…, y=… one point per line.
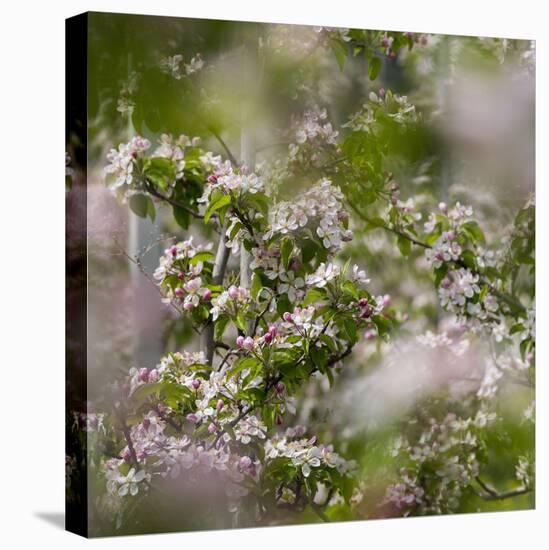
x=300, y=274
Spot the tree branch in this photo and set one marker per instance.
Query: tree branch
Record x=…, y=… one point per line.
x=221, y=258
x=492, y=494
x=152, y=191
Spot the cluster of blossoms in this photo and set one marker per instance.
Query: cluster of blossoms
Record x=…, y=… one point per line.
x=161, y=456
x=459, y=286
x=384, y=104
x=445, y=249
x=525, y=472
x=304, y=453
x=231, y=302
x=440, y=464
x=121, y=161
x=174, y=149
x=311, y=135
x=227, y=179
x=176, y=67
x=322, y=204
x=179, y=274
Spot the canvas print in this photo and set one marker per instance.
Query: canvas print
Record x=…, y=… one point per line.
x=300, y=274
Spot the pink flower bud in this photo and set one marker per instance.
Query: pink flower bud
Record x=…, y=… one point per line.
x=446, y=283
x=280, y=387
x=143, y=375
x=385, y=42
x=181, y=275
x=233, y=292
x=179, y=292
x=363, y=302
x=219, y=405
x=188, y=306
x=287, y=317
x=191, y=417
x=245, y=462
x=268, y=337
x=450, y=235
x=196, y=383
x=212, y=178
x=370, y=334
x=240, y=341
x=278, y=420
x=366, y=312
x=386, y=299
x=173, y=251
x=272, y=329
x=343, y=215
x=248, y=343
x=153, y=376
x=211, y=428
x=443, y=207
x=381, y=93
x=207, y=294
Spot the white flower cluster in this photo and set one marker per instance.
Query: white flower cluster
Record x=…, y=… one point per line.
x=230, y=301
x=323, y=275
x=320, y=207
x=304, y=454
x=176, y=67
x=175, y=263
x=310, y=134
x=227, y=180
x=174, y=149
x=121, y=161
x=395, y=107
x=525, y=471
x=445, y=249
x=459, y=286
x=447, y=450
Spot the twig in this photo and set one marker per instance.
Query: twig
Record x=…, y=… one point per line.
x=152, y=190
x=493, y=494
x=232, y=158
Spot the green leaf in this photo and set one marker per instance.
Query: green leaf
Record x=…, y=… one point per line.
x=151, y=210
x=242, y=364
x=160, y=171
x=223, y=200
x=469, y=260
x=283, y=304
x=220, y=326
x=139, y=205
x=340, y=52
x=240, y=322
x=286, y=249
x=474, y=231
x=374, y=67
x=256, y=286
x=314, y=295
x=203, y=256
x=181, y=216
x=404, y=245
x=350, y=288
